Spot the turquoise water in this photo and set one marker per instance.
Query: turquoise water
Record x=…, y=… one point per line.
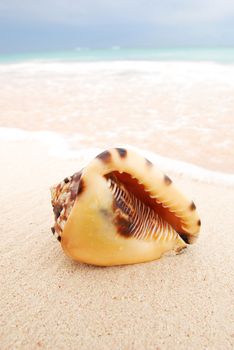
x=222, y=55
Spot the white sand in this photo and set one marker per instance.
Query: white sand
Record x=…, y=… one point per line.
x=50, y=302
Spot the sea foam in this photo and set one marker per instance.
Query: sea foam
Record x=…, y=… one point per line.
x=57, y=145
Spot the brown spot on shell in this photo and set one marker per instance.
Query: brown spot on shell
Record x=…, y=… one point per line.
x=53, y=230
x=192, y=206
x=122, y=152
x=105, y=213
x=199, y=222
x=104, y=156
x=184, y=237
x=149, y=163
x=66, y=180
x=74, y=190
x=75, y=180
x=123, y=226
x=76, y=176
x=57, y=210
x=59, y=238
x=81, y=187
x=57, y=228
x=167, y=180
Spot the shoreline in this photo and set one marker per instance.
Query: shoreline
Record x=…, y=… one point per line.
x=57, y=145
x=83, y=54
x=180, y=111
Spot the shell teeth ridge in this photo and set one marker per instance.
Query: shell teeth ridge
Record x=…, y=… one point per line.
x=147, y=231
x=161, y=197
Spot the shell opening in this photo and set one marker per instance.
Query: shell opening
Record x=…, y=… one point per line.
x=136, y=213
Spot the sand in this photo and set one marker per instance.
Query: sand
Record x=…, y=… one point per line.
x=51, y=302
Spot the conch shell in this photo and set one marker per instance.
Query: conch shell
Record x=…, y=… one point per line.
x=121, y=209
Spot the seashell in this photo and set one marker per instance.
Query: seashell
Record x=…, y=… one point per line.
x=121, y=209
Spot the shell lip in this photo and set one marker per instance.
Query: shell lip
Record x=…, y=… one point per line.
x=157, y=205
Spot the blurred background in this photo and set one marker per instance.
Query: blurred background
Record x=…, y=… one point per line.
x=28, y=26
x=152, y=75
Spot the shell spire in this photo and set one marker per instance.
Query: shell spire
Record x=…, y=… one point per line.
x=121, y=209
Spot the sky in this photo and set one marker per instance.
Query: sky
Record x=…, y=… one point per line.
x=31, y=25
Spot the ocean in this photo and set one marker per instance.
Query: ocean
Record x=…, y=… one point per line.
x=221, y=55
x=176, y=105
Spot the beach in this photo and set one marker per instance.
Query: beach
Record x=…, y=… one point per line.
x=180, y=110
x=55, y=118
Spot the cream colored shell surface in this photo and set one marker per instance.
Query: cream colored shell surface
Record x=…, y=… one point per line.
x=90, y=234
